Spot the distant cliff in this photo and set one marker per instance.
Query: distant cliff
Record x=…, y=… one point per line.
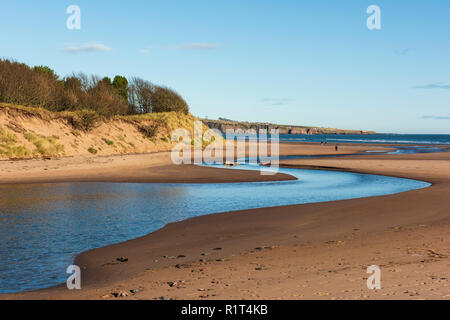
x=224, y=124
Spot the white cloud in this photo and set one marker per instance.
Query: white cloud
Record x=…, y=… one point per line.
x=196, y=46
x=91, y=47
x=144, y=51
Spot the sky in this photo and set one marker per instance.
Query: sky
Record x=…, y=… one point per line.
x=313, y=63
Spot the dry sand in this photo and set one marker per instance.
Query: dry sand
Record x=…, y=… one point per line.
x=126, y=168
x=310, y=251
x=149, y=167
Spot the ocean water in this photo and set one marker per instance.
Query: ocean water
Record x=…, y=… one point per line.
x=417, y=139
x=43, y=227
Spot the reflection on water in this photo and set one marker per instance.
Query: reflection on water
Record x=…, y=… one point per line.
x=42, y=227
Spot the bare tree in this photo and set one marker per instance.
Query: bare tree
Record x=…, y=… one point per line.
x=140, y=95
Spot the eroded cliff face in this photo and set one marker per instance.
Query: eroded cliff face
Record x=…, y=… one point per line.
x=223, y=126
x=27, y=133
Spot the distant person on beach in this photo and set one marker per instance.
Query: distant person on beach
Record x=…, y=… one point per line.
x=336, y=147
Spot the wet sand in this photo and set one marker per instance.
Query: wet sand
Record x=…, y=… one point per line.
x=309, y=251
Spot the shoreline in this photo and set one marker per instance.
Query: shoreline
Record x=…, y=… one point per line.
x=153, y=167
x=238, y=232
x=138, y=168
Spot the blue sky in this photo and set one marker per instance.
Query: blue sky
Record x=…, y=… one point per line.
x=290, y=62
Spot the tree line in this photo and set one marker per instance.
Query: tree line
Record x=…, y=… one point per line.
x=41, y=87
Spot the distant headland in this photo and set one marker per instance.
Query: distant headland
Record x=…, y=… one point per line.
x=223, y=124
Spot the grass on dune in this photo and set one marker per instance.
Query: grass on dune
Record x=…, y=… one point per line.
x=45, y=146
x=9, y=146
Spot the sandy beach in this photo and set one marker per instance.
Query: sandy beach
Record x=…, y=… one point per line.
x=308, y=251
x=147, y=167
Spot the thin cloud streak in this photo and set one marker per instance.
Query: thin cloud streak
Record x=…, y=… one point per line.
x=437, y=117
x=195, y=46
x=187, y=46
x=91, y=47
x=403, y=52
x=436, y=85
x=144, y=51
x=276, y=102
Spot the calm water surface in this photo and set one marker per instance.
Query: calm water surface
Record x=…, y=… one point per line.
x=421, y=139
x=43, y=227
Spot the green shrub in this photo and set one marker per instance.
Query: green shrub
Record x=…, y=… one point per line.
x=120, y=84
x=92, y=150
x=108, y=142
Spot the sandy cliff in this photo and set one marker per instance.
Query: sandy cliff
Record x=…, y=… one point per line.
x=36, y=133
